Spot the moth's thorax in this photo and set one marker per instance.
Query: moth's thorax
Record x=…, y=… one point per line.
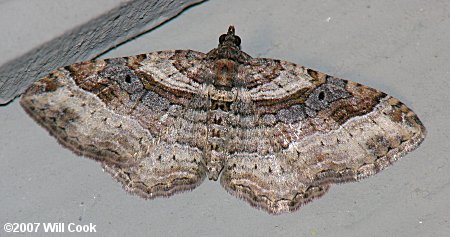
x=225, y=71
x=230, y=53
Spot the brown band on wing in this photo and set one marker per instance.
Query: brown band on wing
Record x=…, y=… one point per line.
x=48, y=83
x=316, y=75
x=299, y=97
x=187, y=62
x=83, y=70
x=134, y=62
x=274, y=105
x=362, y=101
x=174, y=95
x=85, y=75
x=266, y=74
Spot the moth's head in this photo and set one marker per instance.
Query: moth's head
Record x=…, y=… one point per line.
x=229, y=48
x=230, y=39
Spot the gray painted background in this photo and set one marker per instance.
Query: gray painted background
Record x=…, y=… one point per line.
x=400, y=47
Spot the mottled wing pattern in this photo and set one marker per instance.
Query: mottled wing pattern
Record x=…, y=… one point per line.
x=277, y=134
x=133, y=114
x=311, y=130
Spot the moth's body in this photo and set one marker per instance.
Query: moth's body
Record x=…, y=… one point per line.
x=277, y=134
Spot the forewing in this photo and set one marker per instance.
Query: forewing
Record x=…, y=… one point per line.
x=314, y=130
x=134, y=114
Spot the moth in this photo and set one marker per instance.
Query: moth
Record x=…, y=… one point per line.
x=274, y=133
